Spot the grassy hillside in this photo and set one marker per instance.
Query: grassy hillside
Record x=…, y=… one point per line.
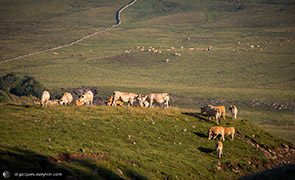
x=251, y=59
x=132, y=143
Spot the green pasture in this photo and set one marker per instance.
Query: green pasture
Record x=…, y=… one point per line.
x=141, y=143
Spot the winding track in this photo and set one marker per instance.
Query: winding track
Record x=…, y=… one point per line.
x=118, y=15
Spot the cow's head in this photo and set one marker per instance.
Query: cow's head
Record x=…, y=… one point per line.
x=230, y=107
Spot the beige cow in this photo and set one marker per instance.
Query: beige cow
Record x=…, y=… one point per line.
x=66, y=99
x=230, y=131
x=124, y=97
x=159, y=98
x=219, y=148
x=52, y=102
x=216, y=130
x=87, y=97
x=234, y=112
x=212, y=112
x=44, y=98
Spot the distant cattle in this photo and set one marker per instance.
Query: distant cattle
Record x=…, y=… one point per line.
x=219, y=148
x=87, y=98
x=78, y=103
x=213, y=132
x=124, y=97
x=44, y=98
x=159, y=98
x=66, y=99
x=234, y=112
x=212, y=111
x=110, y=101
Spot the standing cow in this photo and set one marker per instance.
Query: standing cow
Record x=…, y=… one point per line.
x=66, y=99
x=87, y=97
x=124, y=97
x=44, y=98
x=212, y=111
x=159, y=98
x=234, y=112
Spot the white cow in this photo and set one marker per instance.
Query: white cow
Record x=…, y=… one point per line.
x=234, y=111
x=44, y=98
x=87, y=97
x=66, y=99
x=159, y=98
x=124, y=97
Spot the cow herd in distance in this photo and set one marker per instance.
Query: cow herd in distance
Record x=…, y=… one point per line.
x=118, y=98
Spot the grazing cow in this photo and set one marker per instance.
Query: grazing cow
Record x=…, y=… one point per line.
x=234, y=111
x=230, y=131
x=159, y=98
x=66, y=99
x=219, y=148
x=44, y=98
x=212, y=111
x=87, y=98
x=110, y=101
x=124, y=97
x=222, y=109
x=52, y=102
x=78, y=103
x=216, y=130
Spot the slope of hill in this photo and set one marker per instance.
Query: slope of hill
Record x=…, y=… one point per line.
x=100, y=142
x=250, y=61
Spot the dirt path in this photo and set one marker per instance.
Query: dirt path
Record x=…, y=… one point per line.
x=118, y=17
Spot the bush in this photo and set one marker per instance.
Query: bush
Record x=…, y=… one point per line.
x=3, y=97
x=21, y=86
x=9, y=81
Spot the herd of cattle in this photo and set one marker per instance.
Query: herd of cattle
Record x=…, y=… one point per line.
x=119, y=98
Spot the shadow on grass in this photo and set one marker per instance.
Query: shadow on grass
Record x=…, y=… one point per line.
x=286, y=172
x=197, y=115
x=201, y=135
x=21, y=105
x=206, y=150
x=16, y=160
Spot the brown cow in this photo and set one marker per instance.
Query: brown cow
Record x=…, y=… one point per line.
x=212, y=111
x=219, y=148
x=78, y=103
x=110, y=101
x=216, y=130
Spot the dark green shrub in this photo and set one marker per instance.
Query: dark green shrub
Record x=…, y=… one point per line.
x=21, y=86
x=9, y=81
